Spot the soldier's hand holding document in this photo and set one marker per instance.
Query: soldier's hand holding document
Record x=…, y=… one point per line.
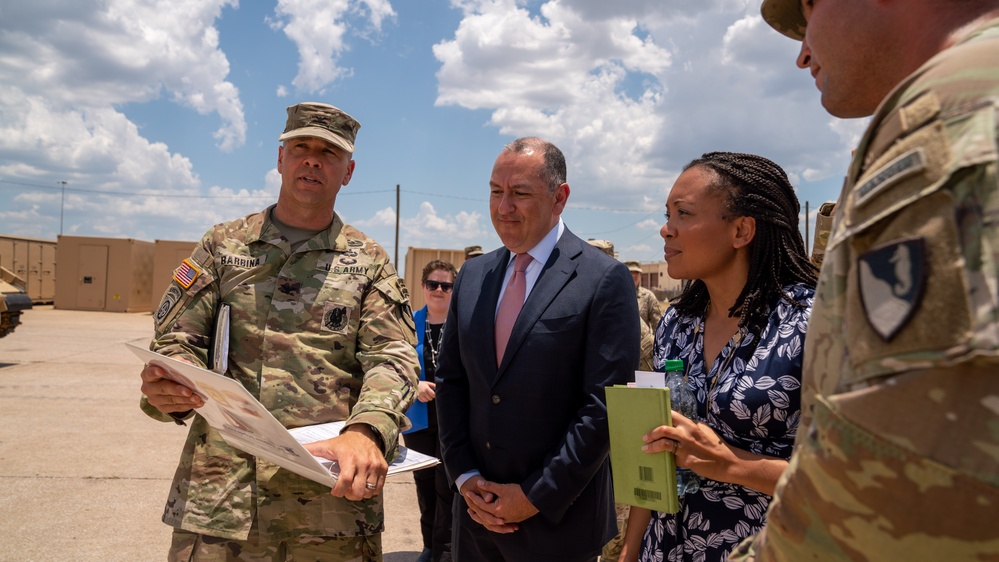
x=247, y=425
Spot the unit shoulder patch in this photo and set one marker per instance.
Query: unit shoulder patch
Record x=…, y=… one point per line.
x=892, y=279
x=170, y=300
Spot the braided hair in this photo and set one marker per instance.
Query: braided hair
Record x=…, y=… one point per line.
x=753, y=186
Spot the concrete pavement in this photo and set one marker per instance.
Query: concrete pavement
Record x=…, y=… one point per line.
x=84, y=471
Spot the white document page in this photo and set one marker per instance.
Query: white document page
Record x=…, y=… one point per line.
x=247, y=425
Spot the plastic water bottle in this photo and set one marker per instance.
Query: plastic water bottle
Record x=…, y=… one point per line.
x=683, y=401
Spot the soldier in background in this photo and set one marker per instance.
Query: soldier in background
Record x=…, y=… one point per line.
x=648, y=305
x=898, y=456
x=647, y=331
x=472, y=251
x=604, y=245
x=321, y=331
x=823, y=226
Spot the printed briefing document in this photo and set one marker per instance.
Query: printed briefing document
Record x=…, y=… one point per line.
x=247, y=425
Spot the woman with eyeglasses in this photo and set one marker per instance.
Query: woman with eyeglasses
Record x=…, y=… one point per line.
x=433, y=491
x=739, y=325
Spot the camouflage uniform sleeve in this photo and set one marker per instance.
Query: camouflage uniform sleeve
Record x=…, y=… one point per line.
x=648, y=344
x=656, y=312
x=386, y=343
x=184, y=317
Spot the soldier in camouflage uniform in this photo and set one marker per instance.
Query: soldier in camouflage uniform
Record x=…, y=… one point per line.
x=646, y=331
x=900, y=458
x=649, y=308
x=823, y=227
x=321, y=330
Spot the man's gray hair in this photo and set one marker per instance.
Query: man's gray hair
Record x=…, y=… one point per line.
x=553, y=169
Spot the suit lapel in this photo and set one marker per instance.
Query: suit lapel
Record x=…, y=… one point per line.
x=556, y=273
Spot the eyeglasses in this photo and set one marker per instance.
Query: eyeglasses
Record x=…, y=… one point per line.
x=434, y=285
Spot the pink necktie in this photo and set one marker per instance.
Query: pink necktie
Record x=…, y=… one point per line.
x=513, y=301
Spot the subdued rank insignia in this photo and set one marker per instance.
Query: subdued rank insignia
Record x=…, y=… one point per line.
x=186, y=274
x=336, y=317
x=171, y=297
x=892, y=278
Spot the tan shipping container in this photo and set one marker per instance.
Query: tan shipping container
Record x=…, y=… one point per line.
x=167, y=256
x=33, y=260
x=416, y=258
x=109, y=274
x=655, y=276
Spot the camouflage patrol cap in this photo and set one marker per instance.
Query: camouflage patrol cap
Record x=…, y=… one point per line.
x=633, y=266
x=313, y=119
x=472, y=251
x=603, y=245
x=785, y=16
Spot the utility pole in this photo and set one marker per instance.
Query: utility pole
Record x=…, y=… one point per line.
x=62, y=205
x=397, y=227
x=807, y=251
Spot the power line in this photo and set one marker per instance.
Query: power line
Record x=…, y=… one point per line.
x=345, y=193
x=171, y=195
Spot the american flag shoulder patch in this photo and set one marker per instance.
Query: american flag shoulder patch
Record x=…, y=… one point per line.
x=186, y=274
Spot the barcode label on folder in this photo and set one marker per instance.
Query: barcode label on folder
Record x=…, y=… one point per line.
x=648, y=495
x=645, y=474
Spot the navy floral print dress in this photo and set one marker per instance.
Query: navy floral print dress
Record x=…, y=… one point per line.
x=755, y=405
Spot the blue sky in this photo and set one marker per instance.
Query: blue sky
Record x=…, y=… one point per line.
x=162, y=116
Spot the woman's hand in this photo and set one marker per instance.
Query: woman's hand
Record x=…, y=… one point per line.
x=699, y=447
x=427, y=391
x=696, y=445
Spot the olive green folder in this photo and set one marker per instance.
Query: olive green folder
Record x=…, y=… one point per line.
x=640, y=479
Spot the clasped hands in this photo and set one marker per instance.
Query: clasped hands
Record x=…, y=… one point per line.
x=362, y=465
x=497, y=507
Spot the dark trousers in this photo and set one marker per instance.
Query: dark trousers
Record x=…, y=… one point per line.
x=473, y=543
x=434, y=495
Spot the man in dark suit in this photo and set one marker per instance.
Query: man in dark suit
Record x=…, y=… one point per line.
x=520, y=394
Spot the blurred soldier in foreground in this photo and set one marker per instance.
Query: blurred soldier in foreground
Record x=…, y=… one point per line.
x=321, y=331
x=898, y=457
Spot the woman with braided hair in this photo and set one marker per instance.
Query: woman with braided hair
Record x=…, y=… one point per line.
x=739, y=327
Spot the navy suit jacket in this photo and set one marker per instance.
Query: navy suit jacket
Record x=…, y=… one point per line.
x=540, y=418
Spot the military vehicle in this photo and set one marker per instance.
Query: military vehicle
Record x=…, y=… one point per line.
x=14, y=299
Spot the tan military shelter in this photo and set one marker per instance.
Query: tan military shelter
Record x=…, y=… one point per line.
x=167, y=255
x=109, y=274
x=34, y=261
